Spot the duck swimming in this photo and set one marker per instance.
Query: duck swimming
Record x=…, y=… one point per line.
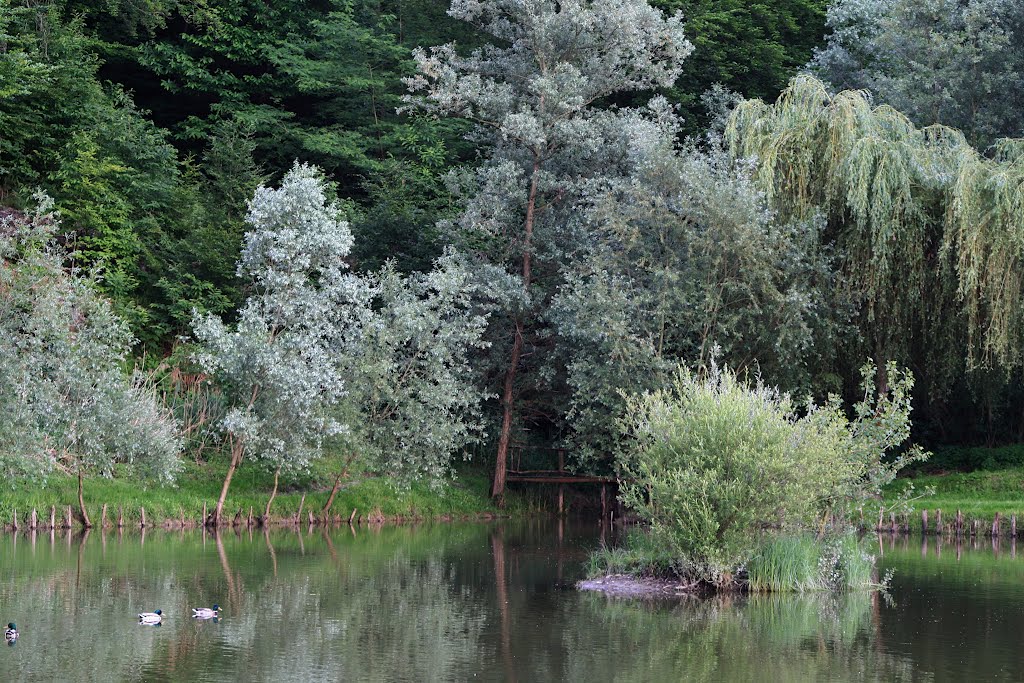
x=206, y=612
x=11, y=634
x=151, y=617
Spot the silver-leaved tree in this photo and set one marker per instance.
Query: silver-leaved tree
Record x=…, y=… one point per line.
x=377, y=362
x=539, y=95
x=279, y=368
x=414, y=399
x=66, y=400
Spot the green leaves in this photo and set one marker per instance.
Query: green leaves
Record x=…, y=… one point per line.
x=917, y=216
x=712, y=462
x=63, y=390
x=952, y=62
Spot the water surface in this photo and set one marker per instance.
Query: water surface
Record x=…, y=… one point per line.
x=492, y=602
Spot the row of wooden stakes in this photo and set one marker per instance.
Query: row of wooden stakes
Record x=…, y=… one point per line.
x=958, y=526
x=35, y=521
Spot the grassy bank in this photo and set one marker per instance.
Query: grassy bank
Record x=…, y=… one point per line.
x=199, y=484
x=978, y=494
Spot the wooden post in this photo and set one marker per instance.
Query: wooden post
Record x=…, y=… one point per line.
x=892, y=522
x=311, y=520
x=120, y=517
x=924, y=522
x=14, y=523
x=249, y=522
x=938, y=521
x=880, y=526
x=1013, y=526
x=142, y=515
x=33, y=520
x=103, y=516
x=995, y=526
x=204, y=514
x=68, y=518
x=959, y=523
x=561, y=487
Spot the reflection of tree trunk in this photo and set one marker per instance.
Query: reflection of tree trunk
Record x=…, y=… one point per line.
x=561, y=538
x=270, y=549
x=81, y=502
x=498, y=551
x=236, y=458
x=501, y=464
x=81, y=548
x=876, y=620
x=330, y=548
x=232, y=589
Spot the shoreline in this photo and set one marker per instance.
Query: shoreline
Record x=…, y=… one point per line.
x=122, y=503
x=373, y=519
x=630, y=586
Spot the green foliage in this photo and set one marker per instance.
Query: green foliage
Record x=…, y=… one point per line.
x=751, y=48
x=160, y=232
x=538, y=98
x=683, y=255
x=971, y=458
x=66, y=402
x=952, y=62
x=711, y=462
x=412, y=396
x=278, y=370
x=925, y=226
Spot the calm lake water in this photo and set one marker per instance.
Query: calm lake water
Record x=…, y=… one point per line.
x=459, y=602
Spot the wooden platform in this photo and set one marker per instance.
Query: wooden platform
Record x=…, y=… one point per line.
x=556, y=477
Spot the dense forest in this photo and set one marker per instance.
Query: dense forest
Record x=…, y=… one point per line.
x=413, y=232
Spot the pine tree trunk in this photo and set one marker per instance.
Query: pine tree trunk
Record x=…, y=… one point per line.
x=501, y=465
x=86, y=522
x=508, y=393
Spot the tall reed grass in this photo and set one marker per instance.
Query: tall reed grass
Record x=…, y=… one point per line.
x=801, y=563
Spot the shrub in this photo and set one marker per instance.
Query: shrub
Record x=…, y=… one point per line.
x=712, y=463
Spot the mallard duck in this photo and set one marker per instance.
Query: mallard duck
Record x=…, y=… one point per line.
x=151, y=617
x=11, y=634
x=206, y=612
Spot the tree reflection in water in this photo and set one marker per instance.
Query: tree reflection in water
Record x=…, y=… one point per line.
x=473, y=601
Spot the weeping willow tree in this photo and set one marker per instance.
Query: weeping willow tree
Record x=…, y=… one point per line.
x=931, y=231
